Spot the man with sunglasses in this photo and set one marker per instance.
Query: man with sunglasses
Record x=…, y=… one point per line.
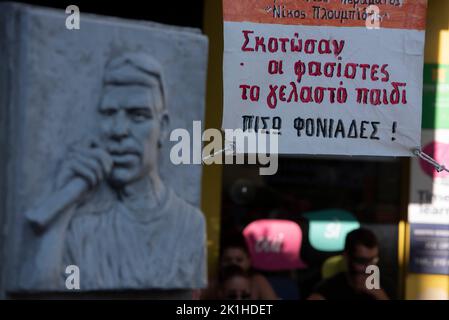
x=361, y=251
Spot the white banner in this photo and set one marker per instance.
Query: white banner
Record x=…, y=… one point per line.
x=328, y=90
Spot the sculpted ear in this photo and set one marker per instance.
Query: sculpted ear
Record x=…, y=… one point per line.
x=164, y=128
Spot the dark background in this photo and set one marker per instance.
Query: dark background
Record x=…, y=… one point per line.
x=184, y=13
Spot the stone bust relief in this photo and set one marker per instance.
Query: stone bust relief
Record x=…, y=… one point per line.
x=110, y=213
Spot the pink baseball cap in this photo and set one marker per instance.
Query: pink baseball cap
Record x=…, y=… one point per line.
x=274, y=245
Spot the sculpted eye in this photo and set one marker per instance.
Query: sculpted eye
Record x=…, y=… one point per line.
x=140, y=114
x=108, y=111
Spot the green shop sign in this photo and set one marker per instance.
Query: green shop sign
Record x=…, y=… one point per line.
x=436, y=96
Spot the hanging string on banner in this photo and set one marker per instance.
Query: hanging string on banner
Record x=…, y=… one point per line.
x=438, y=167
x=229, y=149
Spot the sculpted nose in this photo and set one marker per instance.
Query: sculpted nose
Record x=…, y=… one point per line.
x=120, y=127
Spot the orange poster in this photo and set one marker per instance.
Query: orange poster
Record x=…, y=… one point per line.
x=399, y=14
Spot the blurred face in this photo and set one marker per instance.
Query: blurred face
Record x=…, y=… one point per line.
x=236, y=257
x=361, y=258
x=130, y=130
x=237, y=288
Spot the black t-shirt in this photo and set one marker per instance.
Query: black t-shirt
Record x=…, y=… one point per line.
x=338, y=288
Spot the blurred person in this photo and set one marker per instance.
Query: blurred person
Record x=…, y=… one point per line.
x=236, y=253
x=235, y=284
x=361, y=250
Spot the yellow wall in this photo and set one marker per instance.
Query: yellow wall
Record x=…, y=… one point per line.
x=211, y=194
x=425, y=287
x=437, y=33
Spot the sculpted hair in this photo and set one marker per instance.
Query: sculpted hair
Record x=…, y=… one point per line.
x=138, y=69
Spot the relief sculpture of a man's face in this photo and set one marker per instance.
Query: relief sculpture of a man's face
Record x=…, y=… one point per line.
x=131, y=124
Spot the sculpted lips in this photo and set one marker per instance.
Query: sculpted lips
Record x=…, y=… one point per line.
x=124, y=157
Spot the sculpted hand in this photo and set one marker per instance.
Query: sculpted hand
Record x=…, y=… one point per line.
x=84, y=169
x=91, y=163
